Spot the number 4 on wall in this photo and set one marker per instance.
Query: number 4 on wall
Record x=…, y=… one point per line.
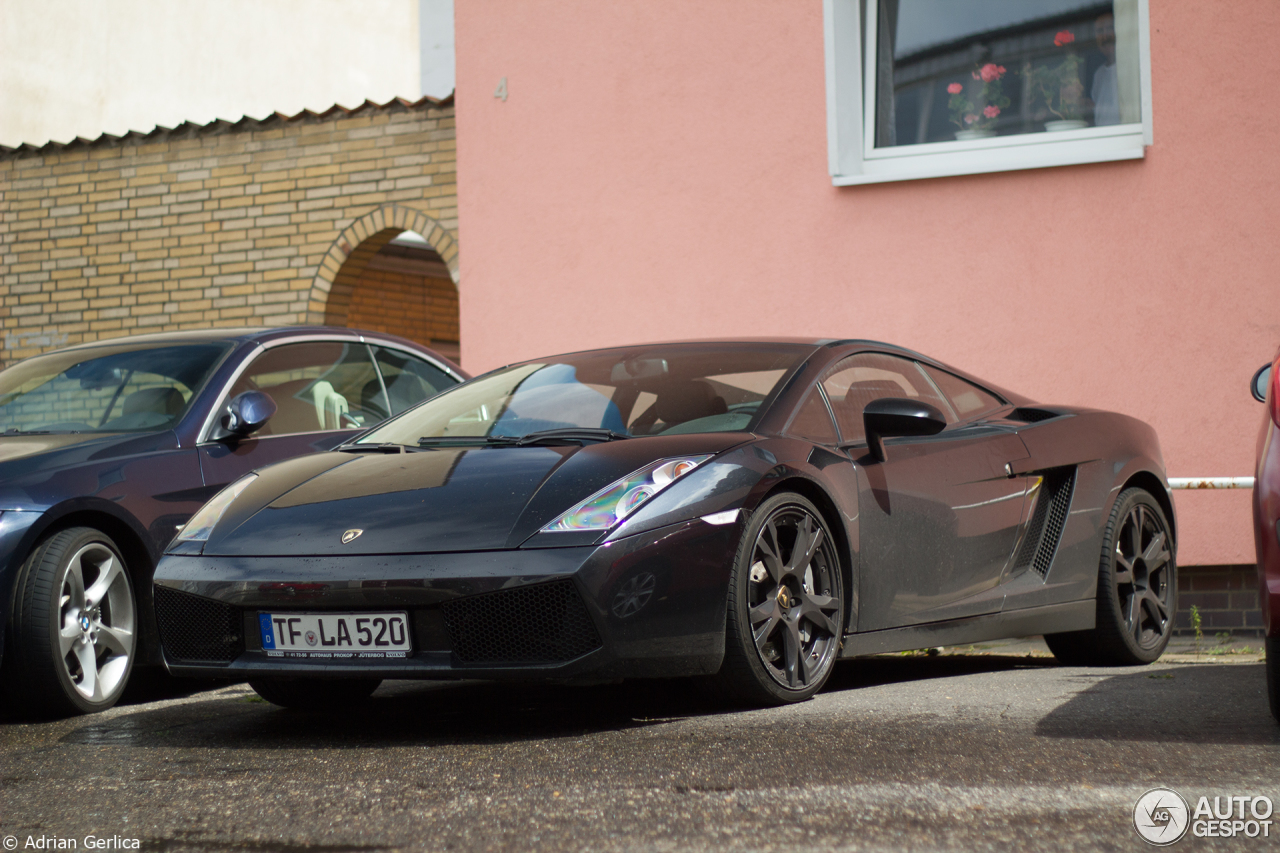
x=501, y=91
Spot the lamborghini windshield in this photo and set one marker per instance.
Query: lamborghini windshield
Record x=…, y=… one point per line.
x=620, y=393
x=121, y=388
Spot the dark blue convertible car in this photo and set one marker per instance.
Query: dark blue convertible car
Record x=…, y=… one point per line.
x=108, y=448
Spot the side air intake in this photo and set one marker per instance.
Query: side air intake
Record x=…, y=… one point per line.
x=1030, y=415
x=1045, y=529
x=197, y=630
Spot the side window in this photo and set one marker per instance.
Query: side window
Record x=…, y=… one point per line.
x=409, y=381
x=864, y=377
x=969, y=400
x=316, y=386
x=813, y=421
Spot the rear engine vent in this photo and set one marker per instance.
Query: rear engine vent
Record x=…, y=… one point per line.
x=543, y=623
x=197, y=630
x=1047, y=522
x=1032, y=416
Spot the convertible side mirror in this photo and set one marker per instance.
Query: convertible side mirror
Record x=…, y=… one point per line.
x=1259, y=383
x=894, y=416
x=246, y=414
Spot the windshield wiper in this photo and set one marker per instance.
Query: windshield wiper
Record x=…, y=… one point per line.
x=548, y=436
x=583, y=434
x=467, y=440
x=16, y=431
x=386, y=447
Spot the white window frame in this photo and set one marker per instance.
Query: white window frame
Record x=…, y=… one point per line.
x=852, y=159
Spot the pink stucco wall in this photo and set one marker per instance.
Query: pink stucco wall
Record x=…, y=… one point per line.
x=658, y=171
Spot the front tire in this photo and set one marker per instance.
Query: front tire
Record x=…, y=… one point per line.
x=1137, y=590
x=786, y=605
x=74, y=626
x=315, y=694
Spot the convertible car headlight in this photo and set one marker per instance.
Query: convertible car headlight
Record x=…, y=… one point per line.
x=201, y=524
x=618, y=500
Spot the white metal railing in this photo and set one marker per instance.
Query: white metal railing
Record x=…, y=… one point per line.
x=1211, y=482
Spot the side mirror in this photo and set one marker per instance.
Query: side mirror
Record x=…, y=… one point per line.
x=894, y=416
x=246, y=413
x=1259, y=384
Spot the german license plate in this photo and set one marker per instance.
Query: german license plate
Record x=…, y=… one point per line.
x=335, y=635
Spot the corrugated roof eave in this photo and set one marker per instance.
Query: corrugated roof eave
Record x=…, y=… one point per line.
x=192, y=129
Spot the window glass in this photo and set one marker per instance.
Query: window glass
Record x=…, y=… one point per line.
x=868, y=376
x=316, y=386
x=969, y=69
x=968, y=399
x=118, y=388
x=660, y=390
x=409, y=381
x=813, y=421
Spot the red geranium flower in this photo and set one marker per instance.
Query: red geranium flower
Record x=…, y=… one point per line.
x=991, y=111
x=1064, y=37
x=955, y=88
x=970, y=118
x=991, y=71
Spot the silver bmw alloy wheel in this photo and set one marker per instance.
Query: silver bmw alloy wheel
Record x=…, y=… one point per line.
x=96, y=619
x=74, y=626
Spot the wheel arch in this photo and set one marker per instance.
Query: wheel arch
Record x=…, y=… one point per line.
x=831, y=514
x=126, y=535
x=1149, y=482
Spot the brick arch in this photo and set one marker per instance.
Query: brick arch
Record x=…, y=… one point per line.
x=344, y=263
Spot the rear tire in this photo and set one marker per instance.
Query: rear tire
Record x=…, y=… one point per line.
x=786, y=605
x=315, y=694
x=1137, y=590
x=1273, y=675
x=73, y=629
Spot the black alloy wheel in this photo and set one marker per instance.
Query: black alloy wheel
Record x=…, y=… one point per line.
x=1137, y=590
x=786, y=605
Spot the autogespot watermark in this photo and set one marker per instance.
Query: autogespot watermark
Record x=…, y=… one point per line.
x=59, y=842
x=1162, y=816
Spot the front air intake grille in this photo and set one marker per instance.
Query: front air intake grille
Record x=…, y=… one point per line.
x=1047, y=522
x=197, y=630
x=543, y=623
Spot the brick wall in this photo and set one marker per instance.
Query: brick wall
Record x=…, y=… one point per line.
x=1226, y=596
x=413, y=306
x=224, y=224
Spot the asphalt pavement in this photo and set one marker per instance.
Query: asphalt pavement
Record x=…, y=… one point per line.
x=991, y=747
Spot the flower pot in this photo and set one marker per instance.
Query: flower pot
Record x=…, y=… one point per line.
x=1065, y=124
x=974, y=134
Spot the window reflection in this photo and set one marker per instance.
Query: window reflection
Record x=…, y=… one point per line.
x=969, y=69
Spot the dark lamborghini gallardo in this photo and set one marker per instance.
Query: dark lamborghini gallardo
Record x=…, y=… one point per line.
x=750, y=510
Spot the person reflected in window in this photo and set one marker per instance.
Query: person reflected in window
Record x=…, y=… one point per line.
x=1105, y=91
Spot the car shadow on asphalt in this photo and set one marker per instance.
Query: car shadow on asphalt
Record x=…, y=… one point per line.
x=1209, y=703
x=401, y=714
x=404, y=713
x=896, y=669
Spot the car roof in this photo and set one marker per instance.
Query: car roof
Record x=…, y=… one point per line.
x=260, y=334
x=815, y=343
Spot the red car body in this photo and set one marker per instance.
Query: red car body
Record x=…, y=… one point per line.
x=1266, y=522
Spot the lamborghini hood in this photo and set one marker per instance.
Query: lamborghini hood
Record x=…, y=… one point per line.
x=434, y=501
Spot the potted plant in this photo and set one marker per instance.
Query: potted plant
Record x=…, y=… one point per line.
x=1059, y=88
x=976, y=117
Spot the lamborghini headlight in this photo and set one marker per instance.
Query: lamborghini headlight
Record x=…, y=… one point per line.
x=617, y=501
x=201, y=524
